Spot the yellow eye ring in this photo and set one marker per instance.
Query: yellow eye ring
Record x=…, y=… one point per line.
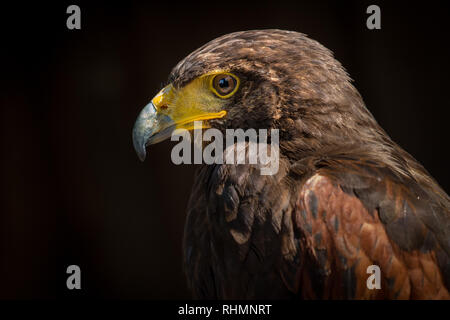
x=224, y=84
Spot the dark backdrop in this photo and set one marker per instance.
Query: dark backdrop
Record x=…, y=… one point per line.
x=74, y=191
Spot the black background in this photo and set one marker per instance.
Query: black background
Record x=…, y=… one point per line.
x=74, y=192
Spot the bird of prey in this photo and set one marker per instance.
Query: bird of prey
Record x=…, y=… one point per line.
x=345, y=197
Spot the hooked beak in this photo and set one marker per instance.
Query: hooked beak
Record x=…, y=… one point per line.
x=150, y=127
x=164, y=114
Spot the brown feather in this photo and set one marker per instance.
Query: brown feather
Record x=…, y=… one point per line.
x=346, y=195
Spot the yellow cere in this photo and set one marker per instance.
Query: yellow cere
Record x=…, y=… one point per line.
x=196, y=101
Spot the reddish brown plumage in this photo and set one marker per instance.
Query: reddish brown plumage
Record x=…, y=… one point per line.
x=352, y=239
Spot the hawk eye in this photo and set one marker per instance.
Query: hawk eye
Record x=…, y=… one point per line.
x=224, y=85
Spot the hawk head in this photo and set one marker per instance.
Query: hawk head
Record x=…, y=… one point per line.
x=260, y=79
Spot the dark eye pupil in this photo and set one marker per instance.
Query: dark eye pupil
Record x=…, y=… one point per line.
x=223, y=83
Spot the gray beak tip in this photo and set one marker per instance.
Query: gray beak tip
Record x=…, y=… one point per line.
x=139, y=145
x=141, y=155
x=150, y=128
x=142, y=129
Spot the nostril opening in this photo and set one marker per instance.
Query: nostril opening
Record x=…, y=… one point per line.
x=164, y=107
